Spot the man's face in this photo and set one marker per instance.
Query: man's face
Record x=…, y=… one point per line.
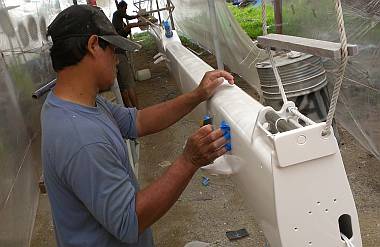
x=106, y=62
x=124, y=9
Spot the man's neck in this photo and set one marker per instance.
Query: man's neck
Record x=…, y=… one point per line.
x=76, y=85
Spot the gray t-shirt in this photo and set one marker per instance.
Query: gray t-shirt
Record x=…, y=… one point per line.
x=90, y=183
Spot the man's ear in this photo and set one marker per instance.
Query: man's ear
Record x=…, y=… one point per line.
x=93, y=44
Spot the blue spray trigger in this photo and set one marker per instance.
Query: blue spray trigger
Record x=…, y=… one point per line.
x=228, y=146
x=225, y=127
x=227, y=135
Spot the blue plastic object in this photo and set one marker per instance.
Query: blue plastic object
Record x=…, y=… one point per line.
x=228, y=146
x=226, y=129
x=205, y=181
x=227, y=135
x=206, y=120
x=168, y=29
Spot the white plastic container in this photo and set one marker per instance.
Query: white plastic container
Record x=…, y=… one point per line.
x=144, y=74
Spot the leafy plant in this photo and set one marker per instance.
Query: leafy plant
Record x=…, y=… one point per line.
x=249, y=19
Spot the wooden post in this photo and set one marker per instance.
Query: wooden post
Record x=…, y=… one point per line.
x=278, y=15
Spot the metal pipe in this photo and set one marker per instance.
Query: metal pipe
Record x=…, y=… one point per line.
x=214, y=30
x=159, y=15
x=280, y=124
x=44, y=89
x=158, y=10
x=169, y=5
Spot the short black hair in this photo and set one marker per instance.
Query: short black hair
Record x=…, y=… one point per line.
x=70, y=51
x=122, y=4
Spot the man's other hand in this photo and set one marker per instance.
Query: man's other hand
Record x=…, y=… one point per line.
x=204, y=146
x=211, y=80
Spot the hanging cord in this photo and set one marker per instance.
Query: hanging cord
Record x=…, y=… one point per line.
x=341, y=68
x=346, y=240
x=295, y=111
x=275, y=71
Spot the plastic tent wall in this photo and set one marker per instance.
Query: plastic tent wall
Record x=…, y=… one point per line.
x=359, y=101
x=24, y=67
x=239, y=52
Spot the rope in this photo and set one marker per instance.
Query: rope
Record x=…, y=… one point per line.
x=277, y=76
x=346, y=240
x=274, y=67
x=295, y=111
x=341, y=68
x=264, y=17
x=340, y=71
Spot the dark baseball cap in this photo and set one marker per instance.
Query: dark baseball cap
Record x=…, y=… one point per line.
x=87, y=20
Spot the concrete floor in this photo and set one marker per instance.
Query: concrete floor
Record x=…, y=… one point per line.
x=206, y=213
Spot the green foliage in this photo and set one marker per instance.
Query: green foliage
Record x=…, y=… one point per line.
x=145, y=39
x=185, y=41
x=189, y=43
x=249, y=19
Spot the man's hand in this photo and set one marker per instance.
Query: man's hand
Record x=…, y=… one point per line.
x=204, y=146
x=211, y=80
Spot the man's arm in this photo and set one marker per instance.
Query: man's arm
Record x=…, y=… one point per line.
x=154, y=201
x=130, y=17
x=158, y=117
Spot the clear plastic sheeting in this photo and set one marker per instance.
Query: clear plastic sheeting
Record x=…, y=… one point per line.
x=239, y=52
x=24, y=67
x=359, y=101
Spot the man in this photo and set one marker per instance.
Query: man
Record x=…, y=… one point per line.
x=94, y=194
x=125, y=75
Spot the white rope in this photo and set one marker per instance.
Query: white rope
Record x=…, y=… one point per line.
x=341, y=67
x=346, y=240
x=277, y=76
x=295, y=111
x=264, y=17
x=340, y=70
x=274, y=67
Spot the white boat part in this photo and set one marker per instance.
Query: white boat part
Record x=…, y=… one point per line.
x=295, y=181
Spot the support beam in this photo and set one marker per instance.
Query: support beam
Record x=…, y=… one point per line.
x=170, y=7
x=159, y=15
x=310, y=46
x=214, y=31
x=159, y=10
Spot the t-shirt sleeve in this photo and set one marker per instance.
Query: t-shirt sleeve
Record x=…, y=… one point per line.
x=125, y=119
x=102, y=183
